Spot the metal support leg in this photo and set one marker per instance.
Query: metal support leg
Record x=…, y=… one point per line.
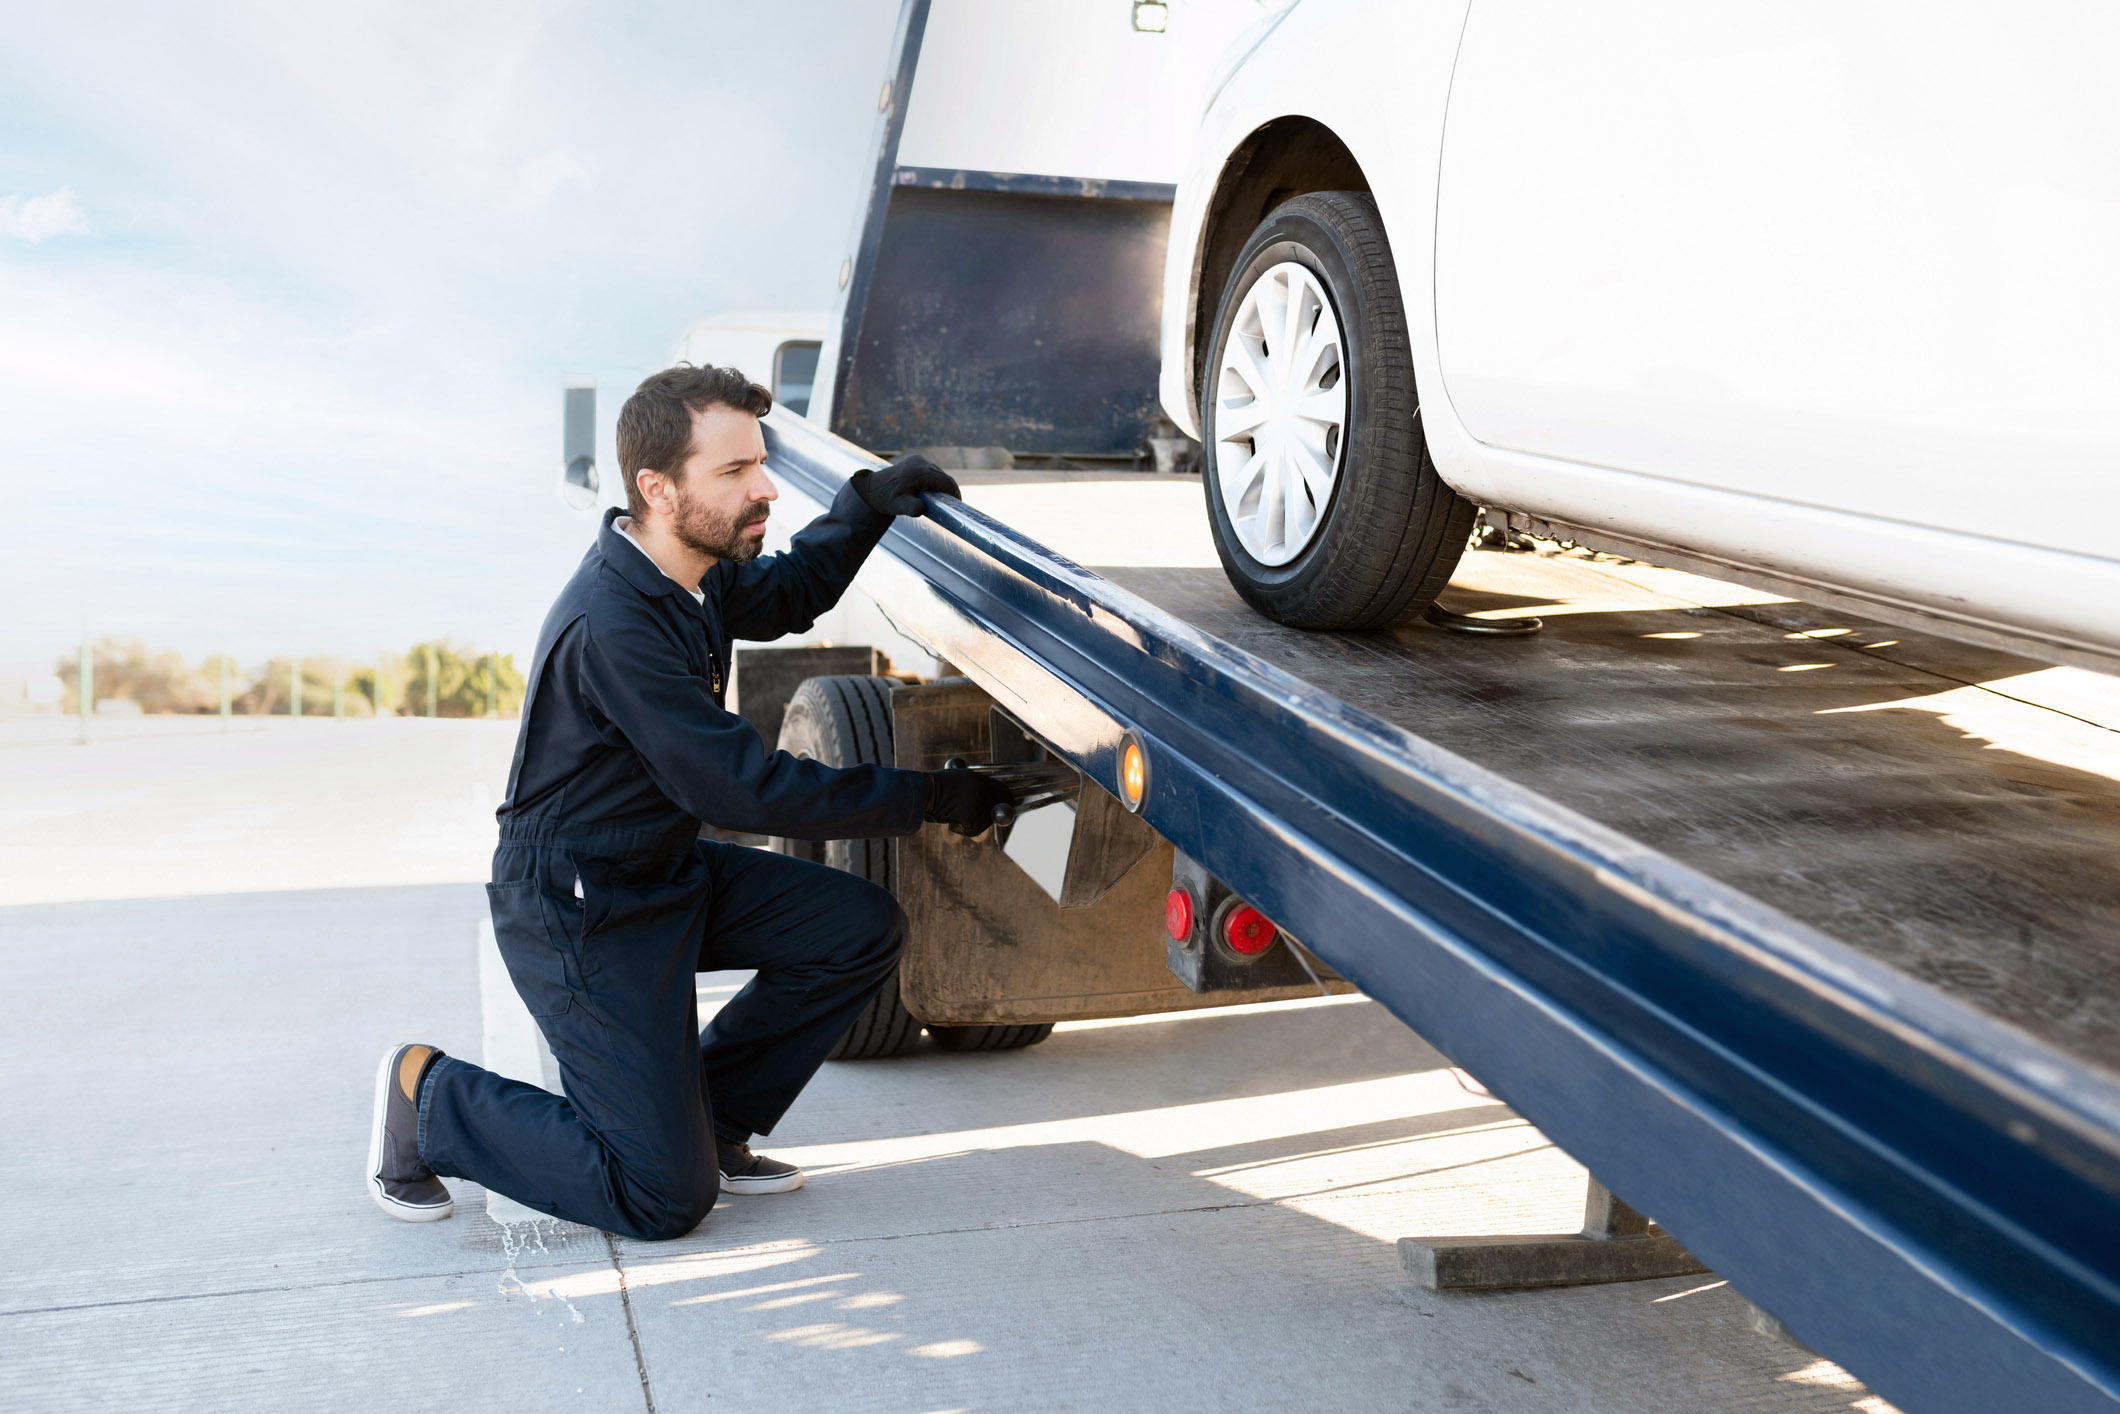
x=1616, y=1244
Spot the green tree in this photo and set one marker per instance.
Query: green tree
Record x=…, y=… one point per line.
x=466, y=681
x=360, y=693
x=495, y=683
x=319, y=692
x=469, y=683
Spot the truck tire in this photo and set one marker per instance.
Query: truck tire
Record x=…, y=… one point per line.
x=1327, y=510
x=989, y=1038
x=846, y=721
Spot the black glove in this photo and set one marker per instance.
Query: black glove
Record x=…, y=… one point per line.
x=964, y=800
x=895, y=490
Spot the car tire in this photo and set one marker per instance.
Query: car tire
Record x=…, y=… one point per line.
x=846, y=721
x=1322, y=524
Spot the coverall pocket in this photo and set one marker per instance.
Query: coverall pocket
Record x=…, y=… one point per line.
x=624, y=920
x=527, y=931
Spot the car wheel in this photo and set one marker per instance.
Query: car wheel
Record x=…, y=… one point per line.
x=1327, y=511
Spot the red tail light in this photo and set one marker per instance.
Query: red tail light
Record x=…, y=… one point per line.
x=1248, y=931
x=1178, y=915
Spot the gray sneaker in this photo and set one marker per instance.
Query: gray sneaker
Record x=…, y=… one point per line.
x=745, y=1172
x=398, y=1179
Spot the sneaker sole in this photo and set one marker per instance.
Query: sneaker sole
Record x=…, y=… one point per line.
x=403, y=1212
x=778, y=1183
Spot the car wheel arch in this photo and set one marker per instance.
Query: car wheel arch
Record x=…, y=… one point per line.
x=1280, y=159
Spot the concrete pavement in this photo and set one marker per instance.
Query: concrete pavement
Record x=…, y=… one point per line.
x=158, y=807
x=1188, y=1212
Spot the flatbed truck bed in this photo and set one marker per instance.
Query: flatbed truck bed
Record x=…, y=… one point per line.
x=1798, y=938
x=1949, y=810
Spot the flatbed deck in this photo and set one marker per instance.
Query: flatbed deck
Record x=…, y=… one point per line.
x=1795, y=937
x=1952, y=811
x=1929, y=803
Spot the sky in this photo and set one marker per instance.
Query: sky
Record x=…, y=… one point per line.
x=288, y=292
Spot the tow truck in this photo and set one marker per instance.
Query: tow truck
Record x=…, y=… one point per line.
x=1798, y=930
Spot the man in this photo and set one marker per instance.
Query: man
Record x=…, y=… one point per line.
x=606, y=901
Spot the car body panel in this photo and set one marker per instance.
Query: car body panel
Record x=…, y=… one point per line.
x=1813, y=253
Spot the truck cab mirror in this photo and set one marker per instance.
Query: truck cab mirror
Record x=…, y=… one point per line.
x=579, y=483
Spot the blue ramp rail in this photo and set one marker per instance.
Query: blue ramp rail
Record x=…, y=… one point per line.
x=1921, y=1193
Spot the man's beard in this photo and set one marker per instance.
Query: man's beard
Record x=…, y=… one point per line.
x=703, y=532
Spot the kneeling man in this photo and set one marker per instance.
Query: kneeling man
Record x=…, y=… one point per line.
x=606, y=901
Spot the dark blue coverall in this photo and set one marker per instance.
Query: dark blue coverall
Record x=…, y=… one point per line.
x=625, y=748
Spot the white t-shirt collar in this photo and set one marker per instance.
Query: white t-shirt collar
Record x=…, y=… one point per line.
x=625, y=526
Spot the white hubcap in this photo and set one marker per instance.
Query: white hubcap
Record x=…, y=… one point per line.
x=1280, y=414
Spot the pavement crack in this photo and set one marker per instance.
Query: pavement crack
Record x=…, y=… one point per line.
x=625, y=1301
x=263, y=1290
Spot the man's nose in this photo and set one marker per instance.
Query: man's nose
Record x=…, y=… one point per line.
x=762, y=487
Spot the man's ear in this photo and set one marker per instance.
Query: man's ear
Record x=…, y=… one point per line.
x=656, y=492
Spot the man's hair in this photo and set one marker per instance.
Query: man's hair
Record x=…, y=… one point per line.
x=655, y=425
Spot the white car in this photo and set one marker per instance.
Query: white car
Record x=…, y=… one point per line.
x=1821, y=296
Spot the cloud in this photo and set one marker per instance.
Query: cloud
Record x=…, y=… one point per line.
x=546, y=174
x=302, y=392
x=39, y=218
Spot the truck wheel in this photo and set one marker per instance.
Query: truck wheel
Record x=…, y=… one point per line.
x=1327, y=511
x=846, y=721
x=989, y=1038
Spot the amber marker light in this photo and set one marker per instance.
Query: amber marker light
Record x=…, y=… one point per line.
x=1133, y=773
